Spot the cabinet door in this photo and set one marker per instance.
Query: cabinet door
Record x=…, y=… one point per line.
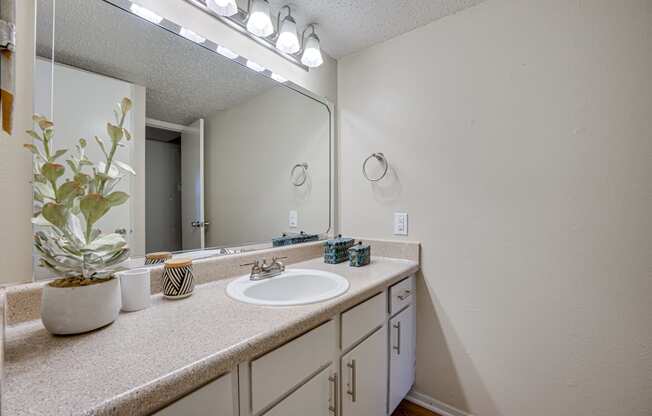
x=364, y=377
x=402, y=355
x=214, y=399
x=315, y=398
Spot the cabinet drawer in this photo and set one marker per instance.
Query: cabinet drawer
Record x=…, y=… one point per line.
x=278, y=371
x=362, y=319
x=401, y=294
x=214, y=399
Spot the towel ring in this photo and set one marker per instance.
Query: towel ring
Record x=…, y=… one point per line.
x=302, y=179
x=380, y=158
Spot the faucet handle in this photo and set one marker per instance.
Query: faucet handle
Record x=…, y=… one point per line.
x=255, y=264
x=274, y=258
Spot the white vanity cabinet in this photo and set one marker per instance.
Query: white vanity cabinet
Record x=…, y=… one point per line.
x=317, y=397
x=217, y=398
x=402, y=341
x=359, y=363
x=364, y=377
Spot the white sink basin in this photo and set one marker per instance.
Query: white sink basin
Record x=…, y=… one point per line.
x=292, y=287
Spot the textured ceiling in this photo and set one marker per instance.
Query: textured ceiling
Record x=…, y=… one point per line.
x=184, y=81
x=348, y=26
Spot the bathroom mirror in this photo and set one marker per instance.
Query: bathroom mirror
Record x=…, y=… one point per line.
x=227, y=155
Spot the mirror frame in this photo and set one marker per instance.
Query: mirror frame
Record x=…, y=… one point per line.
x=211, y=45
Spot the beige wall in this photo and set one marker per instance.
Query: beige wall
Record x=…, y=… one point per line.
x=249, y=152
x=520, y=133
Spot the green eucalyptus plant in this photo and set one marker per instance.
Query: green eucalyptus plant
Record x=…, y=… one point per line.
x=68, y=209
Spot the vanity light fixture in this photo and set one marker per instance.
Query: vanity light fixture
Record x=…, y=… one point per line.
x=190, y=35
x=226, y=52
x=223, y=7
x=311, y=56
x=287, y=40
x=251, y=64
x=259, y=21
x=145, y=13
x=278, y=78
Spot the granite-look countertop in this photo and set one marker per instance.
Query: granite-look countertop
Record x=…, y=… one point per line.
x=149, y=358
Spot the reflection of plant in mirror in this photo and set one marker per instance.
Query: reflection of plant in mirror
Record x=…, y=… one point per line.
x=68, y=209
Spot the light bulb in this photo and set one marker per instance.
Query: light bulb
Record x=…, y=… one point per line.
x=222, y=7
x=312, y=53
x=190, y=35
x=288, y=41
x=258, y=68
x=145, y=13
x=259, y=22
x=226, y=52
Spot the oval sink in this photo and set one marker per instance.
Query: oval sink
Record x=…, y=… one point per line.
x=292, y=287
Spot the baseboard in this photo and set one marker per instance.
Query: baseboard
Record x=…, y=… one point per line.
x=436, y=406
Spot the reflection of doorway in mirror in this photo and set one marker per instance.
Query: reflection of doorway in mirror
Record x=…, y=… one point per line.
x=174, y=190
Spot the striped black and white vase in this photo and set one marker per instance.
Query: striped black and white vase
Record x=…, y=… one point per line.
x=178, y=280
x=157, y=258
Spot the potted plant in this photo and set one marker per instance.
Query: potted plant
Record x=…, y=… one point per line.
x=70, y=199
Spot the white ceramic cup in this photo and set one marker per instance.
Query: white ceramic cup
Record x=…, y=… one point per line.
x=135, y=288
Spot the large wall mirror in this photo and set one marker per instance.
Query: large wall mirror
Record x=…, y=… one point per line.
x=227, y=157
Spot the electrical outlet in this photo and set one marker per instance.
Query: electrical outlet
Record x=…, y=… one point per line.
x=400, y=223
x=293, y=219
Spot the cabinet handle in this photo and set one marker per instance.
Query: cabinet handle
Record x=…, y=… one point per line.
x=405, y=295
x=397, y=347
x=332, y=401
x=351, y=385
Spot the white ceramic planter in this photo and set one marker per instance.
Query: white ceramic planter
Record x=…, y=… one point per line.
x=73, y=310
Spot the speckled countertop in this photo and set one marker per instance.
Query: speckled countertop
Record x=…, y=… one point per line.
x=149, y=358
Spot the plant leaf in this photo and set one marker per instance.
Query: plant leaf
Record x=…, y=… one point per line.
x=34, y=135
x=124, y=167
x=52, y=171
x=55, y=214
x=117, y=198
x=93, y=207
x=115, y=132
x=69, y=190
x=43, y=189
x=100, y=142
x=125, y=105
x=59, y=153
x=45, y=124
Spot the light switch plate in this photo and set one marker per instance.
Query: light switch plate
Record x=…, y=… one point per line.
x=293, y=219
x=400, y=223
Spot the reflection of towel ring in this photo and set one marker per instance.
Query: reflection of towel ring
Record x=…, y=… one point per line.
x=380, y=158
x=302, y=179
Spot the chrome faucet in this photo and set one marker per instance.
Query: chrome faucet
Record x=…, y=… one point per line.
x=260, y=271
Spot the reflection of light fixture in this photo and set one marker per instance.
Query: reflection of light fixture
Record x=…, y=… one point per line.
x=222, y=7
x=259, y=22
x=288, y=40
x=251, y=64
x=278, y=78
x=145, y=13
x=226, y=52
x=190, y=35
x=311, y=56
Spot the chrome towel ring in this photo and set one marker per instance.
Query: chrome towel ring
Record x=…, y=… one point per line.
x=303, y=177
x=381, y=159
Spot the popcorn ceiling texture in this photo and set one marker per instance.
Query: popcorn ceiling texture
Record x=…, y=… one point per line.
x=348, y=26
x=184, y=81
x=147, y=359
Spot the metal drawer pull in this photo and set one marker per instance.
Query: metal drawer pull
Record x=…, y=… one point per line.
x=397, y=347
x=351, y=385
x=405, y=295
x=332, y=400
